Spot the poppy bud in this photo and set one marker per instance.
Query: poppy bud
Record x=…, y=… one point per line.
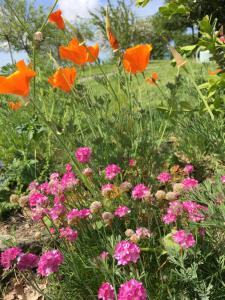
x=38, y=36
x=112, y=39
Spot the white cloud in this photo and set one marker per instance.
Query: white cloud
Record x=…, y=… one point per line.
x=77, y=8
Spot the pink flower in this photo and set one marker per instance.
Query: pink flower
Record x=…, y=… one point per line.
x=69, y=180
x=57, y=211
x=107, y=189
x=188, y=169
x=140, y=191
x=106, y=292
x=37, y=199
x=132, y=290
x=164, y=177
x=143, y=233
x=184, y=239
x=223, y=179
x=222, y=39
x=87, y=172
x=9, y=256
x=27, y=261
x=68, y=233
x=33, y=185
x=78, y=214
x=68, y=168
x=189, y=183
x=39, y=213
x=169, y=218
x=126, y=252
x=44, y=188
x=122, y=211
x=111, y=171
x=132, y=162
x=84, y=213
x=49, y=262
x=83, y=154
x=104, y=255
x=175, y=207
x=194, y=210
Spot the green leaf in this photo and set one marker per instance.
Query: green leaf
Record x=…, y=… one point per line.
x=205, y=26
x=142, y=2
x=188, y=48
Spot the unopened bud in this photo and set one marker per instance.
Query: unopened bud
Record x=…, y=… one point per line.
x=14, y=199
x=95, y=207
x=160, y=195
x=171, y=196
x=38, y=36
x=129, y=232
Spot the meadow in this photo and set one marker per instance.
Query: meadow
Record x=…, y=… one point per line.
x=120, y=166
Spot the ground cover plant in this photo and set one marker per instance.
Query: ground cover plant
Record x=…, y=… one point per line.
x=121, y=169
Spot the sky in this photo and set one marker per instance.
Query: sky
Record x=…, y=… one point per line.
x=73, y=8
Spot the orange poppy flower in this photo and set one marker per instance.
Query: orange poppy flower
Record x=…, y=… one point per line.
x=136, y=59
x=63, y=79
x=78, y=53
x=15, y=105
x=112, y=39
x=93, y=52
x=153, y=78
x=18, y=82
x=214, y=72
x=56, y=17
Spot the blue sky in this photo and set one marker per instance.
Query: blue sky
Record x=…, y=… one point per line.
x=150, y=9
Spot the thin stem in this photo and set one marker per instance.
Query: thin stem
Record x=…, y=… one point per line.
x=46, y=20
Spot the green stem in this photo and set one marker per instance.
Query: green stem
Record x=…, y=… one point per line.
x=46, y=20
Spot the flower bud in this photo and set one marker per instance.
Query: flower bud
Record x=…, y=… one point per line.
x=125, y=186
x=107, y=217
x=38, y=36
x=178, y=187
x=134, y=238
x=23, y=201
x=171, y=196
x=95, y=207
x=14, y=199
x=160, y=195
x=129, y=232
x=87, y=172
x=37, y=235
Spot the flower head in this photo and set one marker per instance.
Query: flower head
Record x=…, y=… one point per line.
x=132, y=289
x=56, y=17
x=49, y=262
x=188, y=169
x=164, y=177
x=63, y=79
x=184, y=239
x=121, y=211
x=140, y=191
x=83, y=154
x=68, y=233
x=143, y=232
x=106, y=292
x=126, y=252
x=27, y=261
x=18, y=82
x=136, y=59
x=189, y=183
x=111, y=171
x=223, y=179
x=9, y=256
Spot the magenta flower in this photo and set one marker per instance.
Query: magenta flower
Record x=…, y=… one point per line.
x=37, y=199
x=194, y=211
x=69, y=180
x=132, y=289
x=223, y=179
x=68, y=168
x=83, y=154
x=68, y=233
x=111, y=171
x=140, y=191
x=122, y=211
x=164, y=177
x=189, y=183
x=78, y=214
x=169, y=218
x=132, y=162
x=143, y=232
x=27, y=261
x=103, y=255
x=9, y=256
x=126, y=252
x=188, y=169
x=184, y=239
x=107, y=189
x=84, y=213
x=57, y=211
x=106, y=292
x=49, y=262
x=44, y=188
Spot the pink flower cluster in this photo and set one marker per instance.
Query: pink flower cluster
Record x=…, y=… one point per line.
x=49, y=262
x=184, y=239
x=188, y=169
x=83, y=154
x=189, y=183
x=164, y=177
x=143, y=233
x=106, y=292
x=176, y=208
x=68, y=233
x=78, y=214
x=111, y=171
x=126, y=252
x=57, y=211
x=27, y=261
x=223, y=179
x=122, y=211
x=140, y=191
x=130, y=290
x=9, y=256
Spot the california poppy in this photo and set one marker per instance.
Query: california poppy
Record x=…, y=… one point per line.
x=178, y=58
x=56, y=17
x=78, y=53
x=18, y=82
x=153, y=78
x=111, y=37
x=214, y=72
x=15, y=105
x=136, y=59
x=63, y=79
